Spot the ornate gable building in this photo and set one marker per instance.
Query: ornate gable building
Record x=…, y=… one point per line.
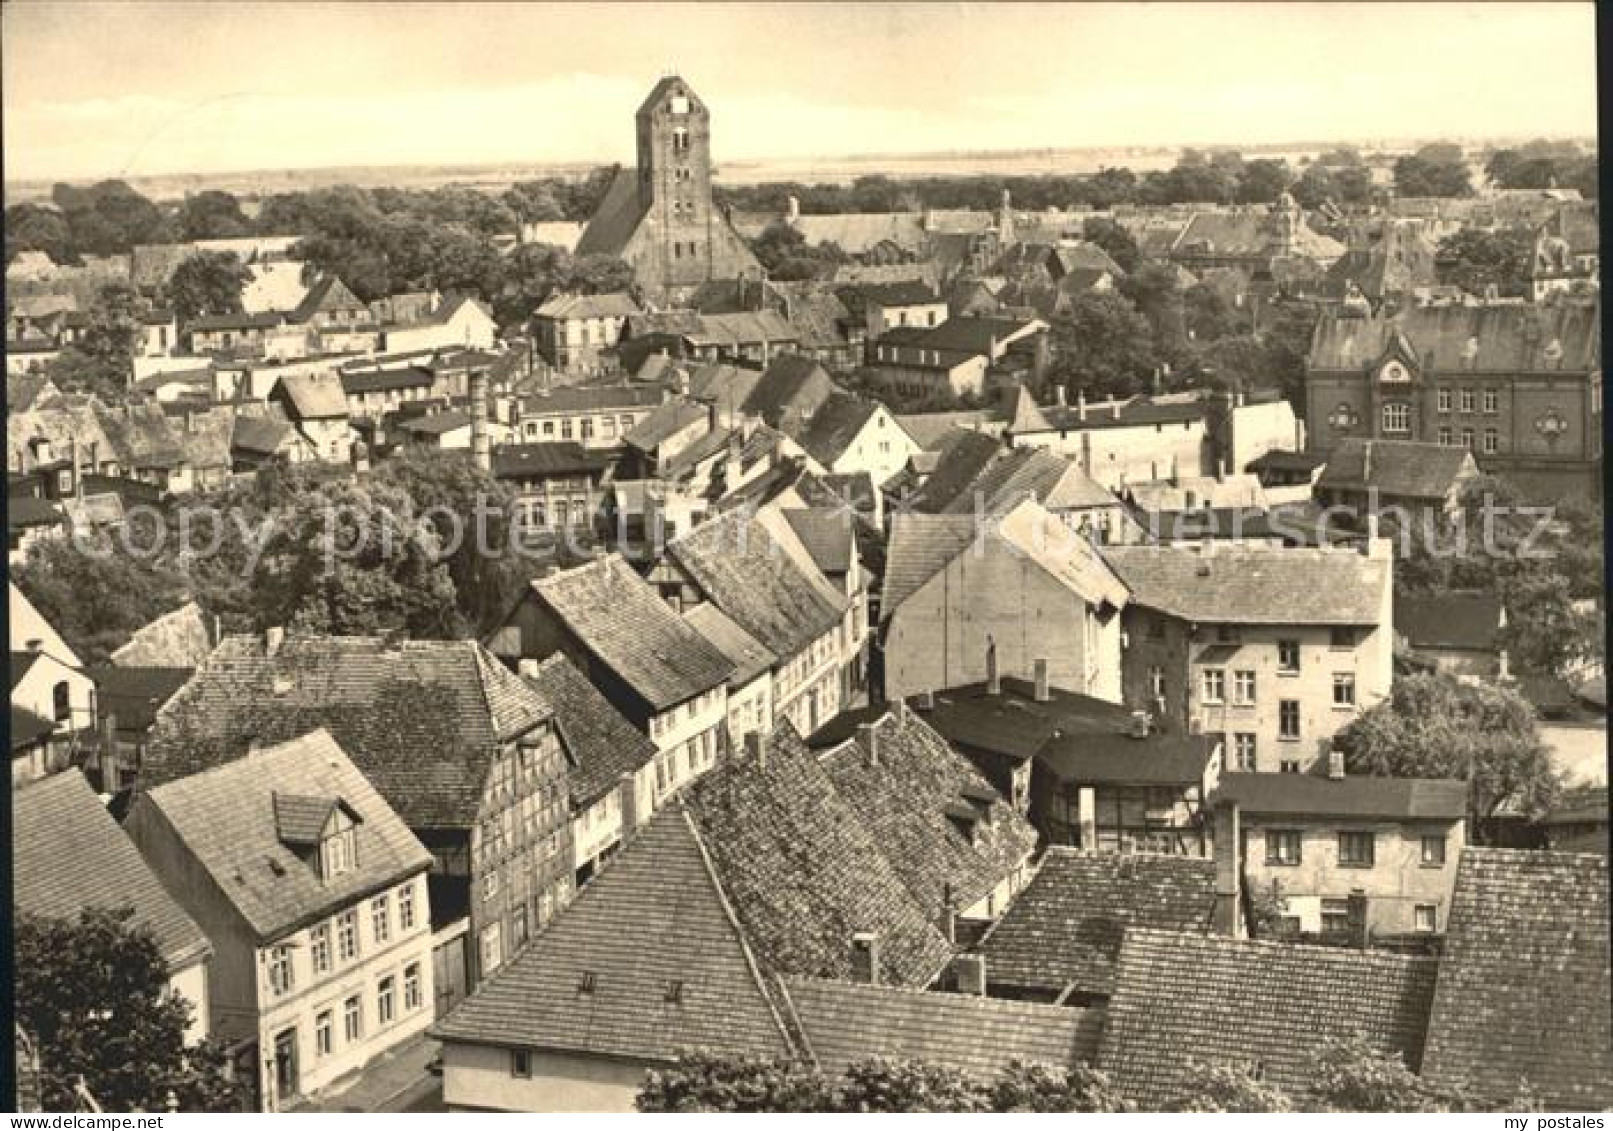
x=660, y=217
x=1519, y=386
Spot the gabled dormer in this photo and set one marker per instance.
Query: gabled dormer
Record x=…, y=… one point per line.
x=1398, y=364
x=322, y=831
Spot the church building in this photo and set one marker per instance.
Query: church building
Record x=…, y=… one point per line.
x=660, y=217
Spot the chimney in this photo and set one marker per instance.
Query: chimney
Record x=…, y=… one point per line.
x=1139, y=724
x=1228, y=850
x=480, y=442
x=949, y=917
x=1060, y=395
x=926, y=700
x=1114, y=410
x=1081, y=405
x=273, y=638
x=35, y=645
x=865, y=958
x=969, y=972
x=793, y=210
x=1041, y=681
x=1335, y=763
x=628, y=791
x=993, y=683
x=868, y=739
x=755, y=749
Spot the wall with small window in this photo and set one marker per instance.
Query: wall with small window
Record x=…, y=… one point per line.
x=483, y=1078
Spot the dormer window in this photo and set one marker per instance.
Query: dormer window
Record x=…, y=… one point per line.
x=1394, y=373
x=322, y=831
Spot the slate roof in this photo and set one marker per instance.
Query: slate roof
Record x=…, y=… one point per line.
x=531, y=461
x=1508, y=339
x=603, y=744
x=968, y=335
x=226, y=817
x=421, y=718
x=1523, y=990
x=1355, y=795
x=1063, y=932
x=749, y=656
x=905, y=797
x=1396, y=468
x=1181, y=998
x=681, y=978
x=561, y=307
x=616, y=218
x=827, y=535
x=621, y=620
x=261, y=433
x=314, y=396
x=69, y=854
x=667, y=420
x=803, y=871
x=834, y=426
x=724, y=385
x=133, y=694
x=1254, y=584
x=844, y=1023
x=742, y=568
x=1468, y=620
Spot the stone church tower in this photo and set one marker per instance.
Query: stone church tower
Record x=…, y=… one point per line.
x=660, y=217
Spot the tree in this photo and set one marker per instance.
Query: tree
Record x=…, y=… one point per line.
x=1034, y=1087
x=533, y=202
x=93, y=995
x=109, y=218
x=709, y=1083
x=1116, y=242
x=1544, y=632
x=1102, y=344
x=1434, y=725
x=32, y=227
x=102, y=360
x=1229, y=1088
x=209, y=282
x=1352, y=1075
x=1264, y=180
x=212, y=215
x=1153, y=289
x=1475, y=260
x=1434, y=170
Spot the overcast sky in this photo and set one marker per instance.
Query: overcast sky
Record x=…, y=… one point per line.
x=129, y=89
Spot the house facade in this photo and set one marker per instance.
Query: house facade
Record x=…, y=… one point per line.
x=574, y=333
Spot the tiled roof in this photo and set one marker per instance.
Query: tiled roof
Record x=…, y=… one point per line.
x=1017, y=474
x=665, y=965
x=742, y=328
x=724, y=385
x=1397, y=468
x=1140, y=411
x=616, y=218
x=904, y=793
x=315, y=396
x=328, y=293
x=856, y=233
x=69, y=854
x=567, y=457
x=422, y=719
x=1355, y=795
x=27, y=728
x=387, y=380
x=739, y=566
x=625, y=624
x=1181, y=998
x=827, y=535
x=603, y=744
x=134, y=694
x=667, y=420
x=1254, y=584
x=964, y=454
x=591, y=398
x=846, y=1023
x=749, y=656
x=1480, y=339
x=835, y=424
x=26, y=510
x=790, y=381
x=242, y=321
x=803, y=871
x=921, y=546
x=561, y=307
x=1064, y=930
x=969, y=335
x=261, y=433
x=226, y=817
x=1523, y=991
x=1467, y=619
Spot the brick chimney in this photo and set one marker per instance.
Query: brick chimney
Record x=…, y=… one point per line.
x=1081, y=405
x=480, y=442
x=868, y=739
x=969, y=972
x=273, y=638
x=865, y=958
x=1227, y=831
x=1042, y=695
x=994, y=685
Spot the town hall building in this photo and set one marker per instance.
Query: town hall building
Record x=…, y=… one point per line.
x=660, y=217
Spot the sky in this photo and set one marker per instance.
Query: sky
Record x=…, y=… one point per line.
x=129, y=89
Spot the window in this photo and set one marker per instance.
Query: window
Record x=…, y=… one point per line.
x=280, y=970
x=1396, y=418
x=338, y=852
x=1467, y=400
x=1244, y=750
x=1288, y=766
x=1445, y=436
x=548, y=429
x=347, y=936
x=1444, y=400
x=1156, y=681
x=1343, y=689
x=1355, y=849
x=492, y=948
x=1288, y=655
x=521, y=1064
x=1492, y=441
x=1282, y=847
x=1467, y=438
x=1215, y=685
x=64, y=481
x=1341, y=639
x=1424, y=917
x=1492, y=402
x=1335, y=916
x=1288, y=719
x=324, y=1033
x=520, y=925
x=319, y=948
x=406, y=908
x=385, y=1001
x=62, y=702
x=565, y=428
x=1433, y=851
x=381, y=918
x=1243, y=687
x=352, y=1019
x=411, y=987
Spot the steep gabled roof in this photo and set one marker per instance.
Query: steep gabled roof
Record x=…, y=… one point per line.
x=1396, y=468
x=804, y=873
x=647, y=962
x=834, y=426
x=1523, y=990
x=624, y=624
x=1185, y=998
x=750, y=656
x=665, y=421
x=68, y=854
x=422, y=719
x=963, y=455
x=564, y=306
x=1459, y=619
x=1528, y=337
x=921, y=546
x=1064, y=931
x=790, y=381
x=226, y=816
x=828, y=535
x=603, y=744
x=314, y=396
x=846, y=1023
